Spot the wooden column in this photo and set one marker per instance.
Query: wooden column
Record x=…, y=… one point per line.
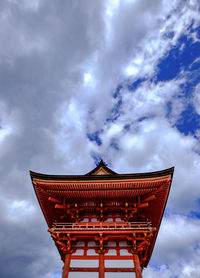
x=138, y=270
x=66, y=266
x=101, y=266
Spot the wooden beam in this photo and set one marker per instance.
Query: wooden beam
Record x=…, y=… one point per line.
x=101, y=266
x=143, y=205
x=96, y=257
x=66, y=267
x=138, y=271
x=54, y=200
x=64, y=216
x=119, y=269
x=60, y=206
x=84, y=269
x=150, y=198
x=107, y=269
x=61, y=243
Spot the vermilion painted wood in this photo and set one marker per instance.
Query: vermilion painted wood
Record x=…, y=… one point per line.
x=138, y=271
x=101, y=266
x=66, y=266
x=84, y=269
x=90, y=257
x=137, y=199
x=119, y=269
x=106, y=269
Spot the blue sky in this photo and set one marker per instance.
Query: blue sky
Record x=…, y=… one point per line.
x=87, y=80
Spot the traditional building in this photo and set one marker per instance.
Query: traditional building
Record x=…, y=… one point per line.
x=104, y=216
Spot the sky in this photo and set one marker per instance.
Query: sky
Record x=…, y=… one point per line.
x=87, y=80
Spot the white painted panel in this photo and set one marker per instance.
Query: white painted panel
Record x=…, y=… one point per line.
x=91, y=243
x=91, y=252
x=112, y=243
x=78, y=252
x=94, y=220
x=84, y=263
x=85, y=220
x=80, y=243
x=123, y=243
x=84, y=275
x=119, y=263
x=124, y=252
x=119, y=220
x=111, y=252
x=118, y=275
x=109, y=220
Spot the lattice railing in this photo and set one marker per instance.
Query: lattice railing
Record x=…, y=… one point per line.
x=103, y=226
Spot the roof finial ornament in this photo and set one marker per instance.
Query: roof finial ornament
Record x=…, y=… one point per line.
x=101, y=162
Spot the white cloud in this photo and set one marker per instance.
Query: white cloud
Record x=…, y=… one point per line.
x=89, y=80
x=131, y=70
x=19, y=210
x=196, y=99
x=176, y=231
x=177, y=249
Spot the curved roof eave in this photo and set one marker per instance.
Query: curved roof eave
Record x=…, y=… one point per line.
x=91, y=176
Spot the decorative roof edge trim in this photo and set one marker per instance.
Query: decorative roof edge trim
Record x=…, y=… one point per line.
x=89, y=176
x=160, y=219
x=102, y=165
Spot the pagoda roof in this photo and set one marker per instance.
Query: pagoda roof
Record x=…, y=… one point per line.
x=101, y=172
x=104, y=185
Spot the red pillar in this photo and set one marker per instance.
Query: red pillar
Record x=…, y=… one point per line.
x=101, y=266
x=66, y=266
x=138, y=271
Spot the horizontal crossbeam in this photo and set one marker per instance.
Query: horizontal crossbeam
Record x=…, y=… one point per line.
x=102, y=226
x=107, y=269
x=96, y=257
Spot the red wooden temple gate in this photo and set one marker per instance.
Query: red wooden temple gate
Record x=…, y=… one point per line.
x=104, y=216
